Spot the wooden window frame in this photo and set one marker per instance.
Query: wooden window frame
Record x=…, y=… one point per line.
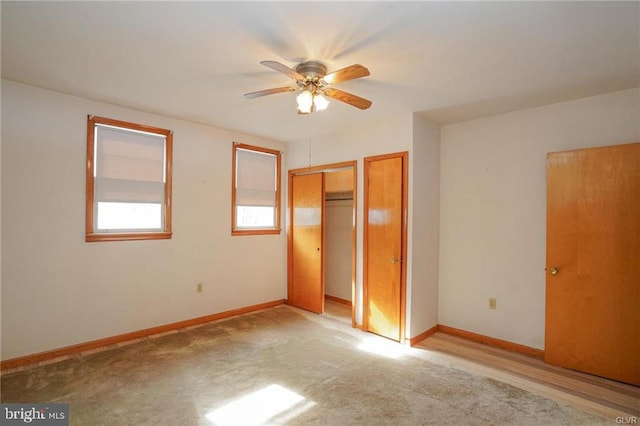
x=91, y=235
x=256, y=231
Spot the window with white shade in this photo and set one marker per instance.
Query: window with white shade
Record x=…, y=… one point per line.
x=255, y=191
x=128, y=181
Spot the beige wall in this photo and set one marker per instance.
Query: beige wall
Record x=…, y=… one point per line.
x=492, y=212
x=338, y=244
x=58, y=290
x=424, y=215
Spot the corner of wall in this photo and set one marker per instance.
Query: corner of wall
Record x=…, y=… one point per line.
x=422, y=297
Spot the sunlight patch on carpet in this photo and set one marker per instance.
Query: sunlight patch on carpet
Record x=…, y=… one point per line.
x=260, y=407
x=383, y=347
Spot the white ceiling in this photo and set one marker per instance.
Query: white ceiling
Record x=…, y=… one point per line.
x=452, y=61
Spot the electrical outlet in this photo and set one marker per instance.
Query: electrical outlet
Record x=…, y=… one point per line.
x=199, y=288
x=492, y=303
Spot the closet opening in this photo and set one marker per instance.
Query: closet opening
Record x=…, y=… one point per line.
x=321, y=231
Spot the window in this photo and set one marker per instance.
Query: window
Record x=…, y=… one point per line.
x=255, y=191
x=128, y=181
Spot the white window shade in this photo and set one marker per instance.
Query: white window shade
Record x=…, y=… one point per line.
x=129, y=166
x=255, y=178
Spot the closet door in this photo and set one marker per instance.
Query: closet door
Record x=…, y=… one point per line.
x=385, y=194
x=306, y=286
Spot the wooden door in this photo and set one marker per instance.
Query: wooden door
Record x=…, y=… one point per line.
x=306, y=287
x=385, y=244
x=593, y=261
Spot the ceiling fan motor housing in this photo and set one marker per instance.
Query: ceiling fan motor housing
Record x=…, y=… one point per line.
x=312, y=70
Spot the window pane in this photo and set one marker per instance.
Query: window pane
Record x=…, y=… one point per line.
x=255, y=217
x=127, y=216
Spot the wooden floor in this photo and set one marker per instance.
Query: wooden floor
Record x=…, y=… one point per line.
x=615, y=401
x=337, y=311
x=612, y=400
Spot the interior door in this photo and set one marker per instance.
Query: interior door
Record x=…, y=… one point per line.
x=593, y=261
x=306, y=287
x=385, y=245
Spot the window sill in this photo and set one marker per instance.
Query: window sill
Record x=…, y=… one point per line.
x=240, y=232
x=92, y=238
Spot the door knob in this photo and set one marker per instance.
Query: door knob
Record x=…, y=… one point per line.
x=553, y=270
x=394, y=260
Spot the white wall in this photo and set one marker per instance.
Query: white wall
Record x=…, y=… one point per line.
x=338, y=243
x=493, y=208
x=58, y=290
x=425, y=219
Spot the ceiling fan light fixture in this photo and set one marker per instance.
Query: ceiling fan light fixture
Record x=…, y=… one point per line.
x=316, y=85
x=320, y=102
x=305, y=101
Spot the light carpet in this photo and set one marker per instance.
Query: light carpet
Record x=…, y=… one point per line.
x=278, y=366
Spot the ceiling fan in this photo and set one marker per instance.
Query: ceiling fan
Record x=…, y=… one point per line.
x=313, y=81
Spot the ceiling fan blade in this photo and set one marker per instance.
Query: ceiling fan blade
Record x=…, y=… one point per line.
x=268, y=92
x=348, y=98
x=283, y=69
x=344, y=74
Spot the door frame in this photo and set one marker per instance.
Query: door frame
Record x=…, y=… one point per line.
x=403, y=244
x=320, y=169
